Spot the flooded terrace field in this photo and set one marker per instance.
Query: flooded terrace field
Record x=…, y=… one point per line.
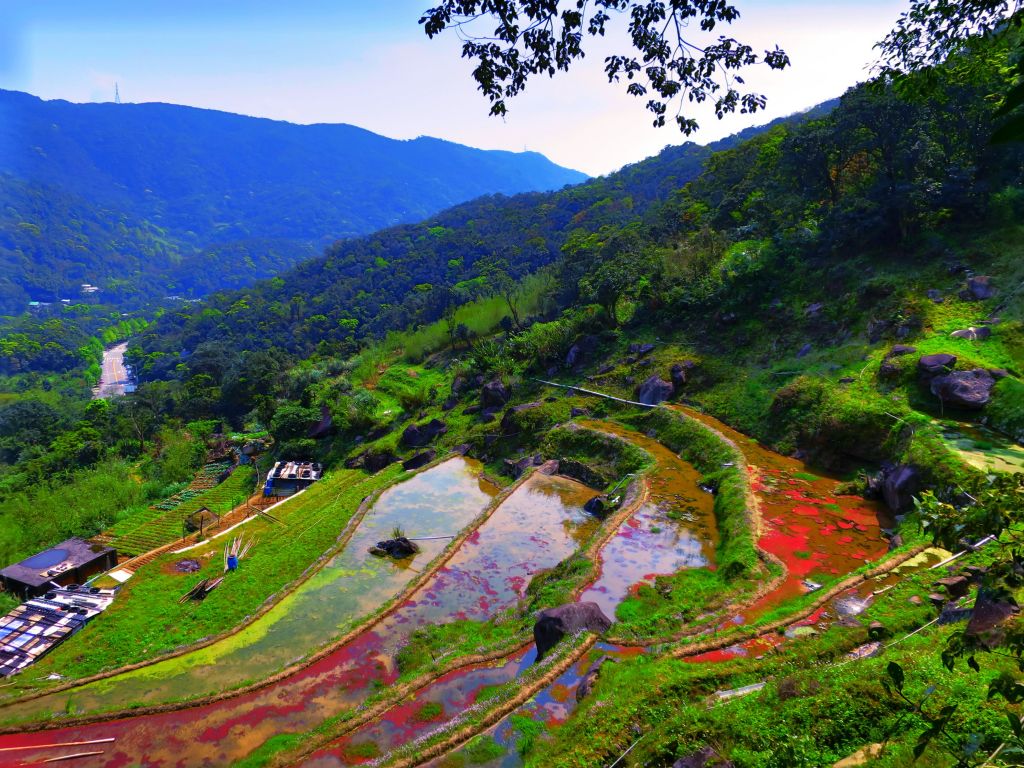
x=534, y=528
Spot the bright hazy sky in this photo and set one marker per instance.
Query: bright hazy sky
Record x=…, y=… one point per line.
x=368, y=63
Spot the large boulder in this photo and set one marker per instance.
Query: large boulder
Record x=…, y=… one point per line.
x=419, y=435
x=972, y=333
x=555, y=623
x=581, y=349
x=641, y=350
x=896, y=486
x=933, y=365
x=420, y=459
x=978, y=288
x=654, y=390
x=493, y=394
x=398, y=548
x=991, y=611
x=957, y=586
x=372, y=461
x=598, y=506
x=680, y=373
x=964, y=389
x=517, y=467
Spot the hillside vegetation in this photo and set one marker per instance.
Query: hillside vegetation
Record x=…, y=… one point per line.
x=150, y=200
x=794, y=284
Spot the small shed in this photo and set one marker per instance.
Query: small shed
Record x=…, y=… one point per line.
x=290, y=477
x=70, y=562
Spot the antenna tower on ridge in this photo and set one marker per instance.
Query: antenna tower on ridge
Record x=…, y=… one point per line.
x=117, y=94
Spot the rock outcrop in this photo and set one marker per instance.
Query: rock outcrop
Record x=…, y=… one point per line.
x=934, y=365
x=654, y=390
x=964, y=389
x=519, y=466
x=972, y=333
x=397, y=548
x=493, y=394
x=896, y=486
x=372, y=461
x=990, y=612
x=419, y=435
x=581, y=349
x=680, y=374
x=978, y=288
x=641, y=350
x=421, y=459
x=555, y=623
x=956, y=586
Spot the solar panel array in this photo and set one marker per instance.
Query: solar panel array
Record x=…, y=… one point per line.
x=36, y=627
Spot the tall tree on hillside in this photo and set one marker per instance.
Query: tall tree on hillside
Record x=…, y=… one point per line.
x=933, y=31
x=495, y=271
x=670, y=60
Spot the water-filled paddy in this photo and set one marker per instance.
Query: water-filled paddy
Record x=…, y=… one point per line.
x=675, y=529
x=221, y=733
x=981, y=447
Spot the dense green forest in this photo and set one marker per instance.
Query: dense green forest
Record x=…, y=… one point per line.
x=150, y=200
x=417, y=271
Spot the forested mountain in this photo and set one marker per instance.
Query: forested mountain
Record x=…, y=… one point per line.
x=405, y=275
x=146, y=200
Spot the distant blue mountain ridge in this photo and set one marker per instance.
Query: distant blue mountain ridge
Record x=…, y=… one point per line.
x=146, y=200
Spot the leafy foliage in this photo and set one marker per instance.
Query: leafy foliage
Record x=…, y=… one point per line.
x=538, y=38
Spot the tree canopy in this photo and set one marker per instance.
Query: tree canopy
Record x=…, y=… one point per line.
x=669, y=61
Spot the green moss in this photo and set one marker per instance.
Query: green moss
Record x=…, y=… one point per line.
x=429, y=711
x=483, y=749
x=675, y=601
x=609, y=457
x=1006, y=411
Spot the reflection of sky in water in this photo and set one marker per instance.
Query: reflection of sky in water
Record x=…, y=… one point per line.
x=350, y=585
x=648, y=544
x=536, y=528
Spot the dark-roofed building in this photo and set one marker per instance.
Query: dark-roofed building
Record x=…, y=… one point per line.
x=70, y=562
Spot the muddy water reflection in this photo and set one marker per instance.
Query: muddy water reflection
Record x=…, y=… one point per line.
x=674, y=530
x=818, y=535
x=222, y=733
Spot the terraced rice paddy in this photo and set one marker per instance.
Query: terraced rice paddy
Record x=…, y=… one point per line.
x=816, y=534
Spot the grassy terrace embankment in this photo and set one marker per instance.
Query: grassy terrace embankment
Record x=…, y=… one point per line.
x=146, y=622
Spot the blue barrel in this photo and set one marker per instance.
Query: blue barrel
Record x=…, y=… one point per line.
x=232, y=563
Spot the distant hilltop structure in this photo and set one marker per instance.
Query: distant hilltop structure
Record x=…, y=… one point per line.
x=117, y=94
